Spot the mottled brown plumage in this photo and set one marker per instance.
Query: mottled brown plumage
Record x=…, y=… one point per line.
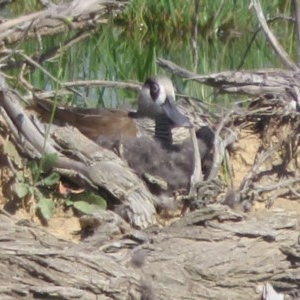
x=92, y=122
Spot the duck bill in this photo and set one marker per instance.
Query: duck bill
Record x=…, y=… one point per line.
x=175, y=116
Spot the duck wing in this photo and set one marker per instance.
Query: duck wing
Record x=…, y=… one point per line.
x=92, y=122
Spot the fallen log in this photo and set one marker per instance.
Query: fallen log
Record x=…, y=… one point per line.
x=234, y=259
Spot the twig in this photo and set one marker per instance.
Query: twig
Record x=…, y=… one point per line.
x=11, y=165
x=271, y=20
x=54, y=52
x=175, y=69
x=259, y=160
x=255, y=82
x=47, y=3
x=22, y=143
x=293, y=191
x=197, y=175
x=220, y=147
x=23, y=81
x=46, y=95
x=18, y=45
x=248, y=48
x=48, y=55
x=104, y=83
x=277, y=185
x=37, y=65
x=53, y=20
x=4, y=212
x=297, y=17
x=195, y=34
x=69, y=85
x=271, y=37
x=229, y=168
x=277, y=189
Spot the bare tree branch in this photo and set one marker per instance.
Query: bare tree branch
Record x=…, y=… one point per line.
x=55, y=19
x=297, y=17
x=271, y=37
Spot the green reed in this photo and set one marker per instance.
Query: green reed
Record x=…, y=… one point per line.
x=128, y=46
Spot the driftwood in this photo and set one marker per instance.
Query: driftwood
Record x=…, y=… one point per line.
x=58, y=18
x=231, y=259
x=280, y=82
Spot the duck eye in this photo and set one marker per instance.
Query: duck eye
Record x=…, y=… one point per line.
x=154, y=91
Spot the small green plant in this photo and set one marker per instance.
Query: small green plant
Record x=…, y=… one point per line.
x=36, y=180
x=31, y=180
x=86, y=202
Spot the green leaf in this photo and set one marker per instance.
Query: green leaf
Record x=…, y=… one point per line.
x=85, y=207
x=46, y=207
x=21, y=189
x=90, y=198
x=35, y=170
x=87, y=202
x=47, y=162
x=10, y=150
x=52, y=179
x=69, y=202
x=20, y=176
x=31, y=189
x=97, y=200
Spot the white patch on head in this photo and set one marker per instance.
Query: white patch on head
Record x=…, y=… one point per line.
x=147, y=90
x=162, y=95
x=146, y=106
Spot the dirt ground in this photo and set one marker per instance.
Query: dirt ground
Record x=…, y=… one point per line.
x=65, y=224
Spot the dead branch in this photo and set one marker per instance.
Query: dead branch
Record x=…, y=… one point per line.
x=296, y=4
x=58, y=18
x=195, y=35
x=276, y=82
x=220, y=147
x=197, y=175
x=247, y=182
x=271, y=37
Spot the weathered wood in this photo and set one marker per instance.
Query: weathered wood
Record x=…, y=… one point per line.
x=107, y=170
x=250, y=82
x=58, y=18
x=228, y=260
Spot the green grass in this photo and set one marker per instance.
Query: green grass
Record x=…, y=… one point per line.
x=127, y=48
x=19, y=8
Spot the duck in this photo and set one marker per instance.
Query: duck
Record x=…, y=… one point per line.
x=157, y=156
x=156, y=101
x=161, y=157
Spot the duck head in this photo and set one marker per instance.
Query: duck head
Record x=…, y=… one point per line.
x=157, y=101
